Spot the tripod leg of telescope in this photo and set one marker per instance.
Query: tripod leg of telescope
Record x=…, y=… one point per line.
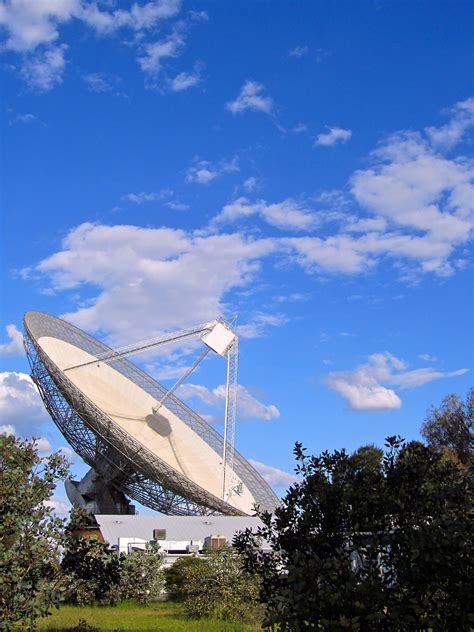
x=97, y=496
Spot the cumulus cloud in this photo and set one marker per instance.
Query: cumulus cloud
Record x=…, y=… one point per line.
x=138, y=17
x=15, y=346
x=333, y=136
x=185, y=80
x=462, y=118
x=59, y=504
x=7, y=429
x=371, y=386
x=21, y=407
x=44, y=70
x=250, y=184
x=248, y=406
x=32, y=30
x=153, y=53
x=204, y=171
x=288, y=214
x=415, y=188
x=29, y=24
x=252, y=96
x=273, y=475
x=151, y=279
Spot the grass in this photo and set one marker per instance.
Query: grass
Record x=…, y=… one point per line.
x=161, y=616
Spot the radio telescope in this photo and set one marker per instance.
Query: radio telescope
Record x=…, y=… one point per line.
x=140, y=440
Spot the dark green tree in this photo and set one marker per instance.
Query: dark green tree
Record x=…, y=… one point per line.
x=30, y=534
x=365, y=546
x=92, y=569
x=451, y=426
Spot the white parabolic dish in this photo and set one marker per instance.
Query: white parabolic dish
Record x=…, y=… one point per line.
x=174, y=448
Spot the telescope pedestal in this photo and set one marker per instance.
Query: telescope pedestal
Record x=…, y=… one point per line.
x=97, y=495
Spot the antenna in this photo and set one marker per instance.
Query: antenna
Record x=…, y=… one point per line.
x=139, y=438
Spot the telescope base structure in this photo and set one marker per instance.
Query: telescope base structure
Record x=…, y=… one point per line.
x=97, y=496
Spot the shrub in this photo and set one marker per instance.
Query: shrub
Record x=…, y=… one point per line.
x=219, y=587
x=141, y=575
x=175, y=576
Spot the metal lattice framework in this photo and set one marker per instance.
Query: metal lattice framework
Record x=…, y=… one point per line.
x=112, y=452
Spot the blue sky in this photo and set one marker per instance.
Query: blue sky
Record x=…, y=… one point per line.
x=306, y=166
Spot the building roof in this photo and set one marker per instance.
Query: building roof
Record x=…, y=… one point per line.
x=178, y=528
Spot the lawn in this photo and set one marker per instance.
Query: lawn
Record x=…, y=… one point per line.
x=162, y=617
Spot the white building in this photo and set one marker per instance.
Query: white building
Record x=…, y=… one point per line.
x=177, y=536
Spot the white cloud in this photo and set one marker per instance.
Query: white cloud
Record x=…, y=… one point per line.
x=30, y=23
x=7, y=429
x=185, y=80
x=288, y=214
x=259, y=324
x=138, y=17
x=204, y=171
x=250, y=184
x=151, y=279
x=248, y=406
x=299, y=51
x=450, y=134
x=15, y=346
x=417, y=189
x=252, y=96
x=427, y=357
x=45, y=69
x=368, y=386
x=27, y=117
x=273, y=475
x=150, y=196
x=333, y=136
x=100, y=82
x=59, y=504
x=20, y=403
x=177, y=206
x=150, y=59
x=32, y=30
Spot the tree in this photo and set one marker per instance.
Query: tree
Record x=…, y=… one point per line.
x=451, y=426
x=30, y=534
x=219, y=587
x=93, y=570
x=361, y=547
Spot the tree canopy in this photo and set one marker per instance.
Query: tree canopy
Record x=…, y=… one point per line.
x=30, y=534
x=451, y=426
x=368, y=543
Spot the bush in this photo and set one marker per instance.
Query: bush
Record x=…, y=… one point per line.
x=93, y=571
x=219, y=587
x=175, y=576
x=141, y=575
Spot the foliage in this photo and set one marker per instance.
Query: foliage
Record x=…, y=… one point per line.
x=30, y=534
x=175, y=576
x=93, y=570
x=361, y=547
x=219, y=587
x=141, y=575
x=451, y=426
